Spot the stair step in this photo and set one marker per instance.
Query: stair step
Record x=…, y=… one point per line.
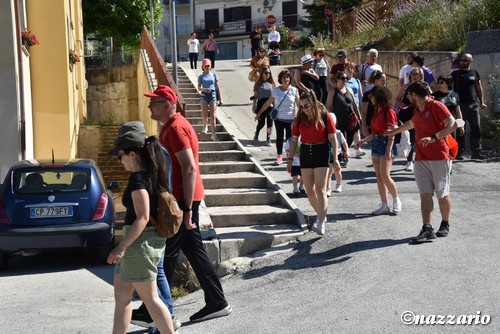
x=234, y=180
x=245, y=240
x=247, y=215
x=236, y=196
x=222, y=155
x=217, y=167
x=217, y=145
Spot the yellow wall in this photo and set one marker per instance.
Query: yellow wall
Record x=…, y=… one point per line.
x=58, y=93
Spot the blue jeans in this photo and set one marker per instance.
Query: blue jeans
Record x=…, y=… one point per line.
x=164, y=288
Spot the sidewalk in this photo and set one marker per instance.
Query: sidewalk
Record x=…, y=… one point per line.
x=363, y=274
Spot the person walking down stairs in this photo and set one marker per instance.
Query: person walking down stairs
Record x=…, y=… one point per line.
x=262, y=91
x=208, y=85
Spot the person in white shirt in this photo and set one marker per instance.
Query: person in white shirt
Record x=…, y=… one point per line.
x=367, y=68
x=274, y=38
x=194, y=49
x=404, y=74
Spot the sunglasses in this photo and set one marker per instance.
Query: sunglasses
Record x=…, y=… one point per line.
x=267, y=72
x=415, y=73
x=342, y=78
x=321, y=55
x=441, y=82
x=305, y=106
x=464, y=60
x=120, y=155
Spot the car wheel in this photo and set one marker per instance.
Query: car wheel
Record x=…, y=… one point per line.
x=4, y=260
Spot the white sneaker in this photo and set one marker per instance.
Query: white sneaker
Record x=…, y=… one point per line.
x=338, y=188
x=213, y=137
x=296, y=191
x=360, y=152
x=409, y=166
x=319, y=227
x=205, y=129
x=383, y=209
x=328, y=192
x=396, y=206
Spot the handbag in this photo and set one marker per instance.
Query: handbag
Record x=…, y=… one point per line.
x=403, y=148
x=274, y=112
x=353, y=122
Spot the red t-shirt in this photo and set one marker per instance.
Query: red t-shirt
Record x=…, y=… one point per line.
x=178, y=135
x=381, y=120
x=310, y=134
x=337, y=68
x=426, y=124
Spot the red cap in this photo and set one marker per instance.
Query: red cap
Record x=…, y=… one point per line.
x=165, y=92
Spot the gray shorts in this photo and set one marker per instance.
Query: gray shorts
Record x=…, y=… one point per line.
x=140, y=262
x=433, y=176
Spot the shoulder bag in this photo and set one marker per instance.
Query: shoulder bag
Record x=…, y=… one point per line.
x=274, y=112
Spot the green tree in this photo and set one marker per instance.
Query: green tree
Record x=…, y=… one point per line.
x=317, y=22
x=121, y=19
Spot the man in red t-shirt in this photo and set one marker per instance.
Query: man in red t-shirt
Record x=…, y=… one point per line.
x=432, y=122
x=180, y=140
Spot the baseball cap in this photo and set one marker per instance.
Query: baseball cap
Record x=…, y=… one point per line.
x=134, y=126
x=306, y=59
x=206, y=62
x=341, y=53
x=128, y=140
x=165, y=92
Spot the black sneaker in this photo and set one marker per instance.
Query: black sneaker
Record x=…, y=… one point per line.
x=207, y=313
x=141, y=317
x=459, y=157
x=426, y=234
x=444, y=229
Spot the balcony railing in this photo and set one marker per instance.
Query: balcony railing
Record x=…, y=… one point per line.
x=112, y=59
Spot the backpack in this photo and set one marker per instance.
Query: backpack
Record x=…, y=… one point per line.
x=168, y=216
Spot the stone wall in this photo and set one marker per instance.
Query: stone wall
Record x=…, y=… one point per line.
x=112, y=90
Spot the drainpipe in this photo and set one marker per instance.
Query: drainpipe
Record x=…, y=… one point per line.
x=22, y=121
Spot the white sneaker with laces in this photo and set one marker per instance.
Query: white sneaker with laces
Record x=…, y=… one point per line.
x=319, y=228
x=205, y=129
x=382, y=210
x=213, y=137
x=328, y=192
x=338, y=188
x=409, y=166
x=360, y=152
x=396, y=205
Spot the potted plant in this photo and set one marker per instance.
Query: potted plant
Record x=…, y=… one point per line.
x=29, y=39
x=73, y=57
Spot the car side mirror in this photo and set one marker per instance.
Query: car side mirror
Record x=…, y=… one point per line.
x=113, y=185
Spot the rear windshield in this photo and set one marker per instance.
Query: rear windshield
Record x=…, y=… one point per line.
x=47, y=180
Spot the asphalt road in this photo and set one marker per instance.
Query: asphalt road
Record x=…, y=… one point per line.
x=361, y=277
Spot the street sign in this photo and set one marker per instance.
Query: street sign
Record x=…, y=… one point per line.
x=328, y=11
x=270, y=19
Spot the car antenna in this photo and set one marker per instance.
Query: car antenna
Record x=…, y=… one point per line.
x=53, y=161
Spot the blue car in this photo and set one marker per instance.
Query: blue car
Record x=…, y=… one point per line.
x=47, y=204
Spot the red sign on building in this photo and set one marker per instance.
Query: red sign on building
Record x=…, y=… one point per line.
x=270, y=19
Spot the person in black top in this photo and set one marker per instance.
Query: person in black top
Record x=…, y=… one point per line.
x=306, y=77
x=450, y=99
x=137, y=256
x=256, y=40
x=467, y=84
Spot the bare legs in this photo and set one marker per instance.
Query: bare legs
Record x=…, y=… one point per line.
x=382, y=167
x=149, y=295
x=427, y=206
x=315, y=184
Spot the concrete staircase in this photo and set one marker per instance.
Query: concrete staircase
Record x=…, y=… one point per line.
x=246, y=207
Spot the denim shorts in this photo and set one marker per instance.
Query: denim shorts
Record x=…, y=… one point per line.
x=140, y=262
x=379, y=144
x=314, y=155
x=208, y=97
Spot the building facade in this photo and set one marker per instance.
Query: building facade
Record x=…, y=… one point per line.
x=42, y=88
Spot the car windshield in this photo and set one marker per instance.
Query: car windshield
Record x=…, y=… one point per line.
x=50, y=180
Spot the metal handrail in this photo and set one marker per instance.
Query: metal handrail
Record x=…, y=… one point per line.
x=160, y=69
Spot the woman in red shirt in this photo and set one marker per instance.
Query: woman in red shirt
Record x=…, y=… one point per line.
x=383, y=149
x=315, y=136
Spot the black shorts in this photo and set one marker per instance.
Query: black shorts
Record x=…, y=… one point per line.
x=296, y=171
x=314, y=155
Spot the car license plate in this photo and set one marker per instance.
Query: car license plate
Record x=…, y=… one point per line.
x=51, y=211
